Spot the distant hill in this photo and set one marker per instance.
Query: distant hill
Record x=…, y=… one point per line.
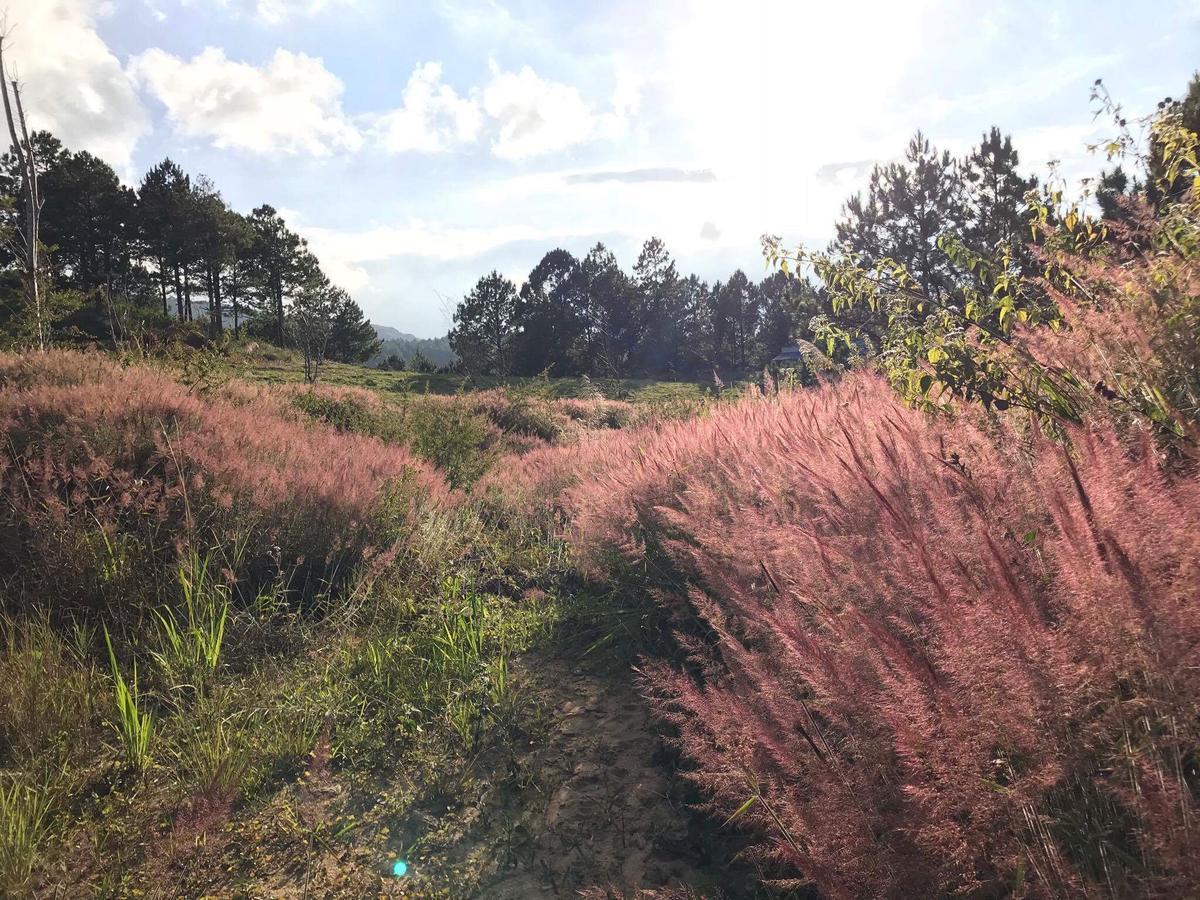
x=387, y=333
x=398, y=343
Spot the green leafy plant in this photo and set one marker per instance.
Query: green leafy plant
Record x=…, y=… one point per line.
x=191, y=643
x=134, y=728
x=24, y=823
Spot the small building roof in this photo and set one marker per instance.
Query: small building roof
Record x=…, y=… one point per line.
x=796, y=352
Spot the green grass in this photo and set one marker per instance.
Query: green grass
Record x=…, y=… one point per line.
x=236, y=737
x=272, y=365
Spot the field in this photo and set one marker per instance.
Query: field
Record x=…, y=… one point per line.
x=375, y=637
x=328, y=680
x=271, y=365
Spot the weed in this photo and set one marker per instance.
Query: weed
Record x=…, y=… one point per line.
x=192, y=646
x=24, y=823
x=134, y=728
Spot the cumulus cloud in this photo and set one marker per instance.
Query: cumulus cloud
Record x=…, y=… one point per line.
x=535, y=116
x=527, y=115
x=292, y=104
x=73, y=84
x=433, y=118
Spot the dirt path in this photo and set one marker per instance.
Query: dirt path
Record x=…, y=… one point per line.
x=601, y=813
x=577, y=799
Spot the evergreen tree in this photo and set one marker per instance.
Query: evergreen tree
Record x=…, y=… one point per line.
x=789, y=303
x=240, y=268
x=88, y=218
x=614, y=327
x=737, y=314
x=549, y=317
x=1113, y=191
x=694, y=353
x=660, y=300
x=215, y=228
x=994, y=195
x=482, y=335
x=283, y=262
x=908, y=206
x=352, y=338
x=164, y=201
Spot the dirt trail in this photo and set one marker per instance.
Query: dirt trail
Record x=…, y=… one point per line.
x=592, y=807
x=579, y=799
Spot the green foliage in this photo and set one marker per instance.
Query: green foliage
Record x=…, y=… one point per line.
x=483, y=326
x=48, y=690
x=967, y=336
x=25, y=817
x=134, y=728
x=452, y=437
x=191, y=644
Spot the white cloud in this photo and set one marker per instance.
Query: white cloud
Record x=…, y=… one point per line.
x=275, y=12
x=433, y=118
x=344, y=254
x=292, y=104
x=72, y=83
x=526, y=114
x=535, y=116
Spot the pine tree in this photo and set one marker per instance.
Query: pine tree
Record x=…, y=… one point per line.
x=789, y=303
x=614, y=328
x=660, y=309
x=549, y=317
x=737, y=314
x=283, y=262
x=164, y=198
x=909, y=205
x=483, y=330
x=994, y=195
x=352, y=338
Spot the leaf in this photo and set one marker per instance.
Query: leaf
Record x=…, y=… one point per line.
x=741, y=809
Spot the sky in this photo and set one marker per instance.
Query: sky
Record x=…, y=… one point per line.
x=419, y=145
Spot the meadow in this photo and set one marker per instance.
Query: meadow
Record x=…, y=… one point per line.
x=263, y=638
x=924, y=626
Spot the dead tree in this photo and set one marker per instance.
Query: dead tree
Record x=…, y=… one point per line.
x=27, y=243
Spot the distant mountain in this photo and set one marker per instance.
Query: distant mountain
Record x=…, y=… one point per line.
x=387, y=333
x=436, y=350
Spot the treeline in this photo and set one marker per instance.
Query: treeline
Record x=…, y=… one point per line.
x=168, y=247
x=575, y=316
x=587, y=316
x=414, y=354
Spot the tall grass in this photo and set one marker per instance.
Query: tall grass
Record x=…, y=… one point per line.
x=24, y=824
x=134, y=728
x=92, y=448
x=924, y=656
x=191, y=645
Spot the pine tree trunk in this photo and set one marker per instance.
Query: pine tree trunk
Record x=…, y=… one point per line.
x=216, y=315
x=178, y=293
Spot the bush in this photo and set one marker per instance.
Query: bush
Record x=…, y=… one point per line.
x=922, y=659
x=107, y=470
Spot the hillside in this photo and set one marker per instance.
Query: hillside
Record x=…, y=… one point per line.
x=408, y=348
x=874, y=576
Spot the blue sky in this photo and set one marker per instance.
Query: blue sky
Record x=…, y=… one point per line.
x=419, y=145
